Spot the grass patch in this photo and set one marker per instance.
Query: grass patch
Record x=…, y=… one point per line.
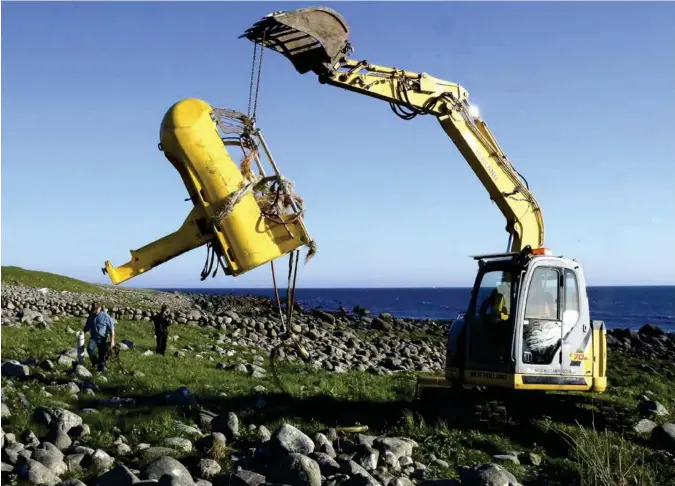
x=455, y=446
x=33, y=278
x=607, y=459
x=630, y=377
x=110, y=296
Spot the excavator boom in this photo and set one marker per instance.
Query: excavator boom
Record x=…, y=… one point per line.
x=316, y=39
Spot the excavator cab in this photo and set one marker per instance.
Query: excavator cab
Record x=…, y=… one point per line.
x=313, y=38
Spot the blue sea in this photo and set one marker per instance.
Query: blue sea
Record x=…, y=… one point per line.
x=619, y=307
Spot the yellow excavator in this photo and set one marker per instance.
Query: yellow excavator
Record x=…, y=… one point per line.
x=527, y=325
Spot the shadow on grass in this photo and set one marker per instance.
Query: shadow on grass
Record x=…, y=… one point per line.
x=316, y=412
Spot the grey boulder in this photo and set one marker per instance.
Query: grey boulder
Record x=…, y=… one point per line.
x=663, y=437
x=487, y=475
x=289, y=439
x=36, y=473
x=167, y=466
x=118, y=476
x=296, y=470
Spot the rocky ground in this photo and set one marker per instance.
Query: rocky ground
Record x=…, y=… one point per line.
x=216, y=411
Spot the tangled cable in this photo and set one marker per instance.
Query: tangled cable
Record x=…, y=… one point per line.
x=287, y=338
x=114, y=354
x=211, y=255
x=274, y=194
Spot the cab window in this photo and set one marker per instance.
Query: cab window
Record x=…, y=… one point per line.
x=494, y=296
x=542, y=297
x=491, y=330
x=571, y=312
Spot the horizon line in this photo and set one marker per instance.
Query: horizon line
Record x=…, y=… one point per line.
x=374, y=288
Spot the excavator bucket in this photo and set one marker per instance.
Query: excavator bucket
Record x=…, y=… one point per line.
x=313, y=38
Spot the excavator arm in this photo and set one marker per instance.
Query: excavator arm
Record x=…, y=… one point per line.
x=315, y=39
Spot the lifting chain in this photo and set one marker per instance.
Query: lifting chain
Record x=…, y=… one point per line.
x=283, y=197
x=114, y=356
x=255, y=80
x=287, y=338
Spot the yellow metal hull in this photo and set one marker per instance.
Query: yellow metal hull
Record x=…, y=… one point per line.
x=245, y=238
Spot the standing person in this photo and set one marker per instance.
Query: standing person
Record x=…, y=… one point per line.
x=162, y=322
x=100, y=325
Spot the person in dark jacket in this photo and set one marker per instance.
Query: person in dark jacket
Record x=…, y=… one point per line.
x=100, y=326
x=162, y=322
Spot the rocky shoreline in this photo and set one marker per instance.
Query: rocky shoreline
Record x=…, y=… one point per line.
x=336, y=341
x=204, y=441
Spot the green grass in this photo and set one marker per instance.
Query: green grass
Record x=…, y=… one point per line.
x=34, y=278
x=315, y=400
x=607, y=459
x=628, y=379
x=110, y=296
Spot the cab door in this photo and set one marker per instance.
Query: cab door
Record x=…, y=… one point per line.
x=540, y=332
x=490, y=323
x=576, y=356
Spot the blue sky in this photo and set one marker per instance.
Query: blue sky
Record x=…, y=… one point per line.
x=578, y=94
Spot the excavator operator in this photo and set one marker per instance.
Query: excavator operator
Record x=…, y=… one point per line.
x=548, y=306
x=493, y=309
x=540, y=304
x=495, y=322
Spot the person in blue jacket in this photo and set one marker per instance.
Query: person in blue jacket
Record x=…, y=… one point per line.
x=100, y=326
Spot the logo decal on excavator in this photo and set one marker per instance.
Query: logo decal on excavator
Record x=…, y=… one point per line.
x=577, y=357
x=486, y=374
x=473, y=143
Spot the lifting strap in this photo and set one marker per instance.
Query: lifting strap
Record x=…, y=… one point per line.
x=274, y=195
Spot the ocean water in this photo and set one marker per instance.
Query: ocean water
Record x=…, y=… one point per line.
x=619, y=307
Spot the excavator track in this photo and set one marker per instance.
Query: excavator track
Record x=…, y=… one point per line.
x=495, y=410
x=474, y=408
x=491, y=414
x=609, y=417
